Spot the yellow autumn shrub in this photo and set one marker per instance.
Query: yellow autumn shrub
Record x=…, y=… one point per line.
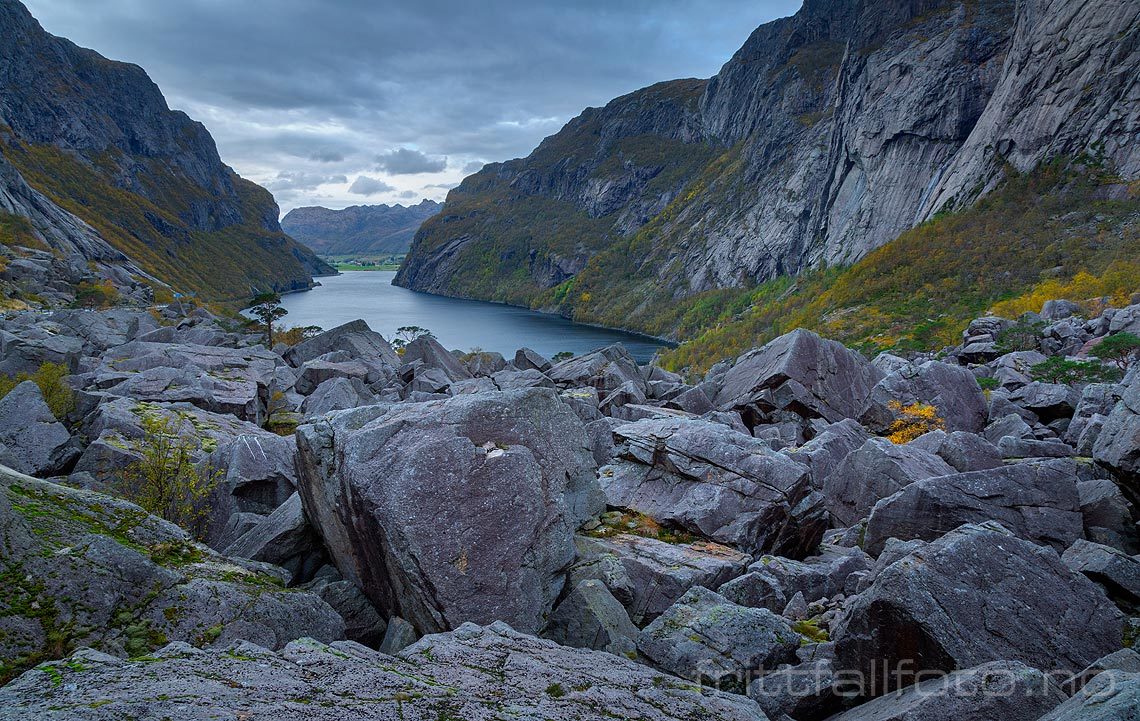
x=912, y=421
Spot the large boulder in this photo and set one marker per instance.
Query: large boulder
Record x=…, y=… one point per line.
x=453, y=510
x=1111, y=696
x=85, y=569
x=1005, y=690
x=799, y=373
x=658, y=573
x=877, y=470
x=1036, y=501
x=428, y=351
x=707, y=638
x=471, y=673
x=713, y=481
x=32, y=440
x=1108, y=516
x=354, y=338
x=1115, y=571
x=1118, y=445
x=590, y=617
x=976, y=595
x=823, y=453
x=772, y=581
x=964, y=451
x=283, y=538
x=606, y=370
x=953, y=390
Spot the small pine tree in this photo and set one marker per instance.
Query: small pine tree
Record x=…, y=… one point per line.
x=267, y=308
x=1120, y=349
x=408, y=333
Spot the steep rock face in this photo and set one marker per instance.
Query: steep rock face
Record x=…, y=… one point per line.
x=360, y=228
x=826, y=135
x=98, y=163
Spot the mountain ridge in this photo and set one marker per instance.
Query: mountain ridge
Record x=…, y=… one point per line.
x=826, y=136
x=359, y=228
x=96, y=139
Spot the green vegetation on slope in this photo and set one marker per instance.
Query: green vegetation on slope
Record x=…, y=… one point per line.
x=1050, y=232
x=224, y=265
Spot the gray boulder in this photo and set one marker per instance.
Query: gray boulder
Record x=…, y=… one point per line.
x=526, y=359
x=976, y=595
x=606, y=370
x=283, y=538
x=1010, y=425
x=1006, y=690
x=471, y=673
x=362, y=622
x=1035, y=501
x=807, y=691
x=399, y=635
x=484, y=364
x=354, y=338
x=315, y=372
x=32, y=440
x=710, y=480
x=590, y=617
x=705, y=637
x=85, y=569
x=1048, y=401
x=434, y=356
x=823, y=453
x=878, y=469
x=1111, y=696
x=964, y=451
x=801, y=373
x=1114, y=570
x=953, y=390
x=452, y=510
x=1118, y=445
x=1108, y=516
x=660, y=573
x=336, y=394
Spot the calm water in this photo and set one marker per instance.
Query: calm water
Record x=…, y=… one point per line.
x=462, y=324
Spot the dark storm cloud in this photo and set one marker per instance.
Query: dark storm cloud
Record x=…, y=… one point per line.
x=405, y=161
x=307, y=86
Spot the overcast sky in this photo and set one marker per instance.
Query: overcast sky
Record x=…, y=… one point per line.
x=350, y=102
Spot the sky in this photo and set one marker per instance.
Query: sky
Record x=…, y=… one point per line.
x=360, y=102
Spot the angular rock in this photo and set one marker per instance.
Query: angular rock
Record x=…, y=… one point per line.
x=973, y=596
x=336, y=394
x=471, y=673
x=823, y=453
x=452, y=510
x=284, y=538
x=1111, y=696
x=435, y=357
x=1048, y=401
x=526, y=359
x=1115, y=571
x=705, y=637
x=362, y=622
x=1118, y=445
x=1005, y=690
x=354, y=338
x=660, y=572
x=1035, y=501
x=807, y=691
x=606, y=370
x=1108, y=516
x=801, y=373
x=1008, y=426
x=878, y=469
x=964, y=451
x=709, y=480
x=399, y=635
x=590, y=617
x=84, y=569
x=953, y=390
x=32, y=440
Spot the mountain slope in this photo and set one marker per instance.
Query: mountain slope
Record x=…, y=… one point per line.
x=362, y=229
x=96, y=140
x=826, y=136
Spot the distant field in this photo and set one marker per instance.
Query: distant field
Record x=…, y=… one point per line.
x=358, y=263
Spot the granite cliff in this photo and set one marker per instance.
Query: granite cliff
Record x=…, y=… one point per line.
x=98, y=172
x=826, y=136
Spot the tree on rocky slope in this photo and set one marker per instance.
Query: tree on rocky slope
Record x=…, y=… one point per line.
x=267, y=309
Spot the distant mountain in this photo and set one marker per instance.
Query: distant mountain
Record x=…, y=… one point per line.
x=359, y=229
x=104, y=181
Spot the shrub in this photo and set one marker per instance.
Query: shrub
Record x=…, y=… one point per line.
x=912, y=421
x=988, y=384
x=1019, y=337
x=165, y=480
x=561, y=356
x=59, y=396
x=408, y=333
x=297, y=334
x=103, y=294
x=1062, y=370
x=1119, y=349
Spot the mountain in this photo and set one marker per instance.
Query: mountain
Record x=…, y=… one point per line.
x=828, y=135
x=97, y=172
x=360, y=229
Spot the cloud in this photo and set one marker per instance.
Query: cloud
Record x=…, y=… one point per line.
x=405, y=161
x=473, y=167
x=287, y=86
x=364, y=185
x=287, y=180
x=408, y=194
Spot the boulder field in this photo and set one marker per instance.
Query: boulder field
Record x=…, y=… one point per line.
x=439, y=535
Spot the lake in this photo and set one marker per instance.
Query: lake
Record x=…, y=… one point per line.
x=458, y=324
